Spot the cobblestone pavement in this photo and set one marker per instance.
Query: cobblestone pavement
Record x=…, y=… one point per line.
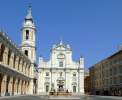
x=61, y=98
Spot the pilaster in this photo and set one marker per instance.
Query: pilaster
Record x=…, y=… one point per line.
x=3, y=85
x=11, y=60
x=17, y=63
x=10, y=84
x=5, y=56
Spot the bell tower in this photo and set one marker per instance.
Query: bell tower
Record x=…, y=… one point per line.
x=28, y=44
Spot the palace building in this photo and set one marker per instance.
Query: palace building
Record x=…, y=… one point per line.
x=18, y=74
x=61, y=73
x=106, y=76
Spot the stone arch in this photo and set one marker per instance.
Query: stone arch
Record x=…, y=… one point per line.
x=2, y=48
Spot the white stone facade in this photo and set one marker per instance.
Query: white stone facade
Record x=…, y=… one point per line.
x=28, y=45
x=61, y=73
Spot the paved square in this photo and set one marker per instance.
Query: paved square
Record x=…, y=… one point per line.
x=61, y=98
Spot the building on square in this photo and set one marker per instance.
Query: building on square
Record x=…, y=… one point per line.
x=18, y=74
x=87, y=84
x=61, y=73
x=106, y=76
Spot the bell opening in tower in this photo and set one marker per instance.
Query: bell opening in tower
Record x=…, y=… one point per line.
x=27, y=34
x=26, y=52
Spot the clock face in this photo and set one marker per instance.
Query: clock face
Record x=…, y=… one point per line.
x=61, y=56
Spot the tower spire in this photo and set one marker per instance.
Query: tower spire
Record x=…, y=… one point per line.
x=61, y=41
x=29, y=14
x=28, y=21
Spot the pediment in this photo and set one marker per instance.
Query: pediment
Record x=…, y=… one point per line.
x=61, y=48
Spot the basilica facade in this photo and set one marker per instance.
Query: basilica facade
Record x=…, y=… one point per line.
x=61, y=73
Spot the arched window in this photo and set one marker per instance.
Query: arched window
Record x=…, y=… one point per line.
x=26, y=52
x=27, y=34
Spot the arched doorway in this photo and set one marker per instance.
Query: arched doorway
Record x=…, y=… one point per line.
x=74, y=89
x=47, y=87
x=60, y=84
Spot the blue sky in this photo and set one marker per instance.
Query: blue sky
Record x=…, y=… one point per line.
x=93, y=28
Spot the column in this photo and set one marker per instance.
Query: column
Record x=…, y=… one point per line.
x=27, y=90
x=24, y=66
x=11, y=62
x=19, y=87
x=20, y=65
x=28, y=70
x=31, y=86
x=16, y=62
x=32, y=70
x=81, y=81
x=78, y=80
x=22, y=88
x=3, y=85
x=25, y=87
x=5, y=56
x=65, y=79
x=10, y=84
x=1, y=78
x=15, y=86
